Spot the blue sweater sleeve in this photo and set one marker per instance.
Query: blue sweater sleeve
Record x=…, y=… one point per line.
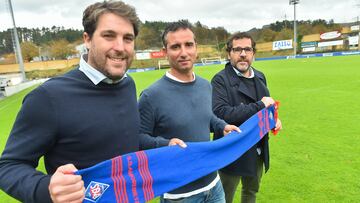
x=31, y=136
x=216, y=124
x=147, y=124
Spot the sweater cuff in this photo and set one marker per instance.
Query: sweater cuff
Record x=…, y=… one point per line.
x=42, y=194
x=222, y=126
x=260, y=104
x=162, y=142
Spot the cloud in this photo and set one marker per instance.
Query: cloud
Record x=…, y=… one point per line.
x=233, y=15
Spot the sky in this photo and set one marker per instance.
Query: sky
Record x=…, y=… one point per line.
x=233, y=15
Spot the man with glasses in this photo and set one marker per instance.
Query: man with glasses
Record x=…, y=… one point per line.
x=239, y=91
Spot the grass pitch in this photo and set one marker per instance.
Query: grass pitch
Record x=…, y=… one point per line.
x=315, y=158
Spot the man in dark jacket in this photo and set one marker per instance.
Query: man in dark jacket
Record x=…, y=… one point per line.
x=239, y=91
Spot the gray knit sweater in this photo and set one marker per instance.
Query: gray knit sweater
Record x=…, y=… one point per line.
x=170, y=109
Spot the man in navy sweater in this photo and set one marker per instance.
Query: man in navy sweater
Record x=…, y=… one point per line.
x=79, y=119
x=177, y=108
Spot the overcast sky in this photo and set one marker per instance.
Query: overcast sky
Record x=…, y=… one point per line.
x=233, y=15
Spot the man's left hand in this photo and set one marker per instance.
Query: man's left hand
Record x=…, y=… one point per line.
x=229, y=128
x=278, y=125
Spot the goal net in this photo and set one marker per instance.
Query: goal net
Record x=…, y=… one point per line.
x=163, y=64
x=212, y=60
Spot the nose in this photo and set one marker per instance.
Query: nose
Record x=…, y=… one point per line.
x=183, y=52
x=118, y=44
x=243, y=53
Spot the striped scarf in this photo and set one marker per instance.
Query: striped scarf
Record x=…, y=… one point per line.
x=143, y=175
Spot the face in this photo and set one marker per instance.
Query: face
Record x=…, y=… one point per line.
x=111, y=48
x=240, y=58
x=181, y=50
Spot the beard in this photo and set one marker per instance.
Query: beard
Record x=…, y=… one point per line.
x=243, y=69
x=103, y=63
x=241, y=66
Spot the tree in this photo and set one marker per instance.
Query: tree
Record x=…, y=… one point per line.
x=304, y=29
x=319, y=28
x=9, y=58
x=6, y=45
x=284, y=34
x=61, y=49
x=202, y=33
x=148, y=38
x=221, y=34
x=277, y=26
x=29, y=50
x=267, y=35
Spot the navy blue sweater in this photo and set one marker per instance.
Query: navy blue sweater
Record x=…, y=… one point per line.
x=170, y=109
x=67, y=120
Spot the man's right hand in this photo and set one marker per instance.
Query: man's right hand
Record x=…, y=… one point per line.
x=268, y=101
x=65, y=186
x=176, y=141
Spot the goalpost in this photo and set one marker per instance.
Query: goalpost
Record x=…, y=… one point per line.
x=163, y=64
x=212, y=60
x=204, y=61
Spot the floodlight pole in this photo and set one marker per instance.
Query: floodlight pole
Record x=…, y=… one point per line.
x=17, y=45
x=358, y=22
x=294, y=2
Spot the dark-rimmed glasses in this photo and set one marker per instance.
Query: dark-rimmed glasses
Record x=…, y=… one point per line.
x=239, y=50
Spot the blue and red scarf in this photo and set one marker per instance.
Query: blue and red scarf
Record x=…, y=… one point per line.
x=144, y=175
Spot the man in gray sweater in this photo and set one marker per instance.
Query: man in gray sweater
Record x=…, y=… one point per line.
x=177, y=109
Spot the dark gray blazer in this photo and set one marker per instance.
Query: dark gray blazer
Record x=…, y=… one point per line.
x=233, y=103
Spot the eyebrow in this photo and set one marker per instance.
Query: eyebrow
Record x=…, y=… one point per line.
x=113, y=32
x=129, y=35
x=173, y=45
x=107, y=32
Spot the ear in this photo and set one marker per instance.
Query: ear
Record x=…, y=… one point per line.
x=164, y=50
x=87, y=40
x=196, y=51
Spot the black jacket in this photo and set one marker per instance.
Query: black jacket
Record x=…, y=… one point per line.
x=232, y=101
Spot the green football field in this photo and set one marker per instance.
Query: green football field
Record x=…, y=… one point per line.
x=316, y=157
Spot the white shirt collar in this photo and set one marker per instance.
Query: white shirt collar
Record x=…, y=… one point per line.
x=241, y=75
x=93, y=74
x=168, y=74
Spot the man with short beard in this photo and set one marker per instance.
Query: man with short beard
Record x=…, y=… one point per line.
x=77, y=120
x=239, y=91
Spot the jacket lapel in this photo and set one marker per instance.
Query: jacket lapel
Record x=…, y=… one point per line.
x=235, y=81
x=261, y=89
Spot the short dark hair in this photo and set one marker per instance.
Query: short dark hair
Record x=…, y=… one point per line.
x=174, y=26
x=239, y=35
x=93, y=12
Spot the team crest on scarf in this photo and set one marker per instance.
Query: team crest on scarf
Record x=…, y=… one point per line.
x=95, y=190
x=271, y=117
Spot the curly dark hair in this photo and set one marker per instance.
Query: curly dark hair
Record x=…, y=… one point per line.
x=93, y=12
x=174, y=26
x=239, y=35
